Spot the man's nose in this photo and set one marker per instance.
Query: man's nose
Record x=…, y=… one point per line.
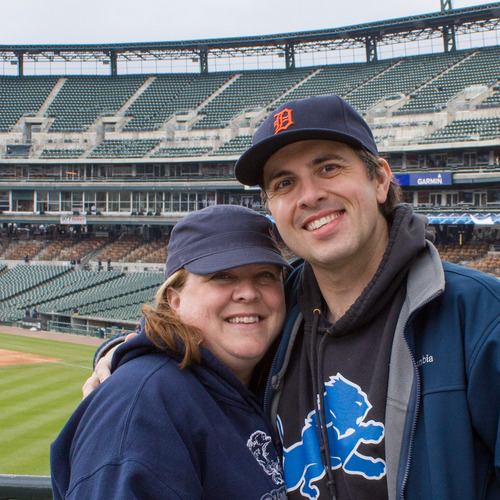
x=311, y=191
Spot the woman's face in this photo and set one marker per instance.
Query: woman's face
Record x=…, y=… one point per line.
x=239, y=311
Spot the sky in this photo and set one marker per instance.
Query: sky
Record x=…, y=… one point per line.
x=27, y=22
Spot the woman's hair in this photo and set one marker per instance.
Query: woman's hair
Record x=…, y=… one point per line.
x=165, y=329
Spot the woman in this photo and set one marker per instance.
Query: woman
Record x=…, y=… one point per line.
x=180, y=421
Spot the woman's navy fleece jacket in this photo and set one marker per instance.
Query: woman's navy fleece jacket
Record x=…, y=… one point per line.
x=153, y=431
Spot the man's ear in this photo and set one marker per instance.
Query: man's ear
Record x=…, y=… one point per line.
x=264, y=198
x=383, y=178
x=173, y=298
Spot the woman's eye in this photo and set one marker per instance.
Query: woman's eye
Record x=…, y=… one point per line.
x=269, y=275
x=266, y=275
x=221, y=276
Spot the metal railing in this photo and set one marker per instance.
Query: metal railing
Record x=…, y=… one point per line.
x=16, y=487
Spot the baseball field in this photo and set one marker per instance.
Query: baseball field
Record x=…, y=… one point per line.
x=40, y=386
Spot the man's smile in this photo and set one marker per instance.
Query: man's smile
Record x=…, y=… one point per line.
x=317, y=223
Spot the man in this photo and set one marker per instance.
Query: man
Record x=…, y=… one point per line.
x=386, y=383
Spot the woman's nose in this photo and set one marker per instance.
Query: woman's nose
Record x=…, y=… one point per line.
x=245, y=291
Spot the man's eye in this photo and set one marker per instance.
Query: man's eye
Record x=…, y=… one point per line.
x=282, y=184
x=330, y=168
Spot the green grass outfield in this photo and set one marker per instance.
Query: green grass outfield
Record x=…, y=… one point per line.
x=37, y=399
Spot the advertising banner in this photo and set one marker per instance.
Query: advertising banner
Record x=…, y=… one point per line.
x=74, y=220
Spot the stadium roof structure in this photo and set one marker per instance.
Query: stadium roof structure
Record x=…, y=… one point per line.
x=478, y=219
x=447, y=25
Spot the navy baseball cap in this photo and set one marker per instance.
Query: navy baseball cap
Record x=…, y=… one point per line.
x=326, y=117
x=222, y=237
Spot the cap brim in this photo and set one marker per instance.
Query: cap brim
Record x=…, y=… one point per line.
x=238, y=257
x=250, y=167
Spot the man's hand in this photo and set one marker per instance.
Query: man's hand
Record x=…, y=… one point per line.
x=102, y=369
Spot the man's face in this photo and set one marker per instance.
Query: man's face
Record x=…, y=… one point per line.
x=324, y=204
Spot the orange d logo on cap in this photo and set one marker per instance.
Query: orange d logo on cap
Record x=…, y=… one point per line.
x=283, y=120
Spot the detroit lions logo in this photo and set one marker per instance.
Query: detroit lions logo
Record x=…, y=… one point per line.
x=346, y=407
x=258, y=444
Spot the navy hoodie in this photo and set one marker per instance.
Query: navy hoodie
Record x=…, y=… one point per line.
x=153, y=431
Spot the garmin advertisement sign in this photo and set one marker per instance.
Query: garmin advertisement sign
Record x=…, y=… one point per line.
x=430, y=180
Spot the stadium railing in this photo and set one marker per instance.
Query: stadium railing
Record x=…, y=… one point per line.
x=18, y=487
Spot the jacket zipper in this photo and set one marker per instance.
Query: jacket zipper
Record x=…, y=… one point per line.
x=414, y=425
x=269, y=383
x=417, y=407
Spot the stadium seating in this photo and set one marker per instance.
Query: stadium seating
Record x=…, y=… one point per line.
x=61, y=286
x=19, y=249
x=203, y=102
x=93, y=299
x=43, y=291
x=22, y=97
x=58, y=289
x=250, y=90
x=401, y=78
x=150, y=252
x=339, y=79
x=124, y=148
x=158, y=254
x=476, y=68
x=492, y=101
x=61, y=153
x=120, y=249
x=25, y=277
x=83, y=99
x=180, y=152
x=169, y=94
x=463, y=253
x=235, y=146
x=489, y=264
x=53, y=249
x=103, y=141
x=115, y=295
x=82, y=249
x=466, y=130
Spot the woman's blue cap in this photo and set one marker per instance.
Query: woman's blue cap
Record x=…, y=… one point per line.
x=326, y=117
x=221, y=237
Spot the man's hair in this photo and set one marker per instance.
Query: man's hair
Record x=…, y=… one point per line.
x=165, y=329
x=373, y=169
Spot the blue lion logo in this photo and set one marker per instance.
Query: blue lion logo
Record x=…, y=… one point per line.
x=346, y=407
